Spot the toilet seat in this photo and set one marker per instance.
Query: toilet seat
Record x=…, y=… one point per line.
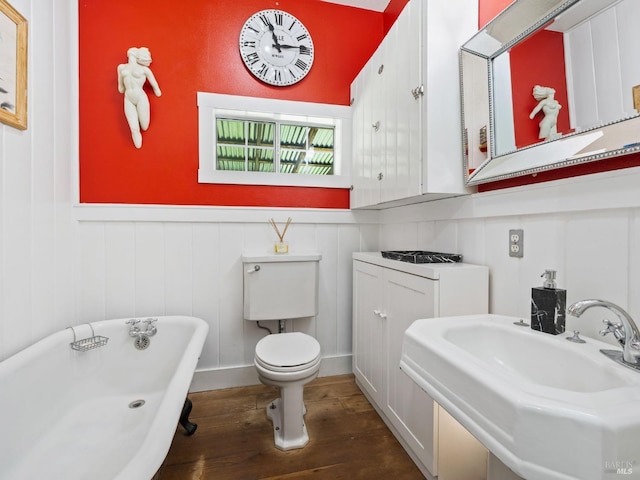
x=287, y=352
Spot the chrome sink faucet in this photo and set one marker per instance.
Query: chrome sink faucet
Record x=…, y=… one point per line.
x=625, y=331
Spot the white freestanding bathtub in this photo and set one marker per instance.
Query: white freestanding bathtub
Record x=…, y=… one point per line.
x=106, y=413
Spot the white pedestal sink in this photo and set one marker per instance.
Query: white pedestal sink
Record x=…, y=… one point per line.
x=546, y=407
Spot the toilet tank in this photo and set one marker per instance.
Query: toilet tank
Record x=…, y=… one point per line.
x=278, y=287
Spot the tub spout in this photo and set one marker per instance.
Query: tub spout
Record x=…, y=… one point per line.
x=148, y=328
x=142, y=336
x=626, y=331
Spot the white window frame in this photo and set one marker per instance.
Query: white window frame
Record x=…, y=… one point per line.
x=214, y=105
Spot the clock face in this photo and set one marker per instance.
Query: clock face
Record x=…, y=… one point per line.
x=276, y=47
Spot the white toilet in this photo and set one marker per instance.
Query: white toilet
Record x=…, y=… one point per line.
x=281, y=287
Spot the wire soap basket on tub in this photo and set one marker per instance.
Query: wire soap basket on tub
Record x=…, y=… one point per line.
x=89, y=343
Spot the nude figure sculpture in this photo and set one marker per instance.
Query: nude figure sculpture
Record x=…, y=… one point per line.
x=550, y=108
x=131, y=79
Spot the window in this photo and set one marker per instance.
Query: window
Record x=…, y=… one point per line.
x=273, y=142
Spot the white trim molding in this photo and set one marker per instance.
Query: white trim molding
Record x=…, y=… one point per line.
x=212, y=105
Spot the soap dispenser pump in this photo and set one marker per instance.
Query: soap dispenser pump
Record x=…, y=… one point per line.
x=548, y=305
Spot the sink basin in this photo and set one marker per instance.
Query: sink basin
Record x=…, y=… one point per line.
x=546, y=407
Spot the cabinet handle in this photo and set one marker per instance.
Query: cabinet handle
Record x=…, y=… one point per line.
x=380, y=176
x=418, y=92
x=383, y=316
x=376, y=312
x=376, y=126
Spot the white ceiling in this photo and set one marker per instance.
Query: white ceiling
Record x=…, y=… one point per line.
x=376, y=5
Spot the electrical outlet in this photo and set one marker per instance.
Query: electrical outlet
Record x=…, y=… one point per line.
x=516, y=243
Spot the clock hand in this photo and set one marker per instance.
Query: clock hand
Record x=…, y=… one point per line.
x=290, y=46
x=275, y=38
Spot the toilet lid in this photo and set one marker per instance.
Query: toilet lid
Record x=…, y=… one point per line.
x=288, y=349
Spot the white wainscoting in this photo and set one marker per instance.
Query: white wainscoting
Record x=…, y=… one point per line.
x=36, y=175
x=603, y=65
x=150, y=261
x=587, y=228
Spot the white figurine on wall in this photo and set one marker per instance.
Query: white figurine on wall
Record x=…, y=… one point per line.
x=131, y=79
x=550, y=108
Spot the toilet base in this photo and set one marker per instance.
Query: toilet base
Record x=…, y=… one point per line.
x=290, y=432
x=287, y=412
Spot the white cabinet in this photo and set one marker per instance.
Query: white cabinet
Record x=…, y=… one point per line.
x=388, y=296
x=368, y=338
x=406, y=108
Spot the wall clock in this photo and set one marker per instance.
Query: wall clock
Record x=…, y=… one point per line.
x=276, y=47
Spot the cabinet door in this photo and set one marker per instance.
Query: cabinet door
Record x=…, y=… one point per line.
x=403, y=178
x=388, y=105
x=367, y=123
x=409, y=408
x=378, y=123
x=368, y=333
x=357, y=161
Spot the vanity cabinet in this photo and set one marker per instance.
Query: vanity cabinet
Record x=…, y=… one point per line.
x=388, y=296
x=406, y=108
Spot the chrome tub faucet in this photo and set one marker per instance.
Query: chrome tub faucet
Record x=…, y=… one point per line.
x=142, y=335
x=625, y=331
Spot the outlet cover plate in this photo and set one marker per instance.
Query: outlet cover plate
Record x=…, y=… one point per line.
x=516, y=243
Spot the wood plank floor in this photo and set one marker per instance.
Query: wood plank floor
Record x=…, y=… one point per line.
x=234, y=439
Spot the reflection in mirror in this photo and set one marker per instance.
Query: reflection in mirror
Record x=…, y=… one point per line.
x=550, y=83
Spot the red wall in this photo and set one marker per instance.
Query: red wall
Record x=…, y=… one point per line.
x=488, y=9
x=392, y=12
x=195, y=49
x=194, y=46
x=548, y=71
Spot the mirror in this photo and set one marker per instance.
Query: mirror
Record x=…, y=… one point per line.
x=550, y=83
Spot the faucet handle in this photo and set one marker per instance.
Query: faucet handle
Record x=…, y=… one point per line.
x=611, y=327
x=132, y=321
x=150, y=328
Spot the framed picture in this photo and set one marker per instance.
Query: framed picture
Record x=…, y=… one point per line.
x=636, y=97
x=13, y=67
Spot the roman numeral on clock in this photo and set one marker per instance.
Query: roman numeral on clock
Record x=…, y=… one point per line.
x=252, y=58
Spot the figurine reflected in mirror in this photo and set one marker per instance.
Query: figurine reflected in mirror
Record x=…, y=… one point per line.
x=131, y=79
x=550, y=108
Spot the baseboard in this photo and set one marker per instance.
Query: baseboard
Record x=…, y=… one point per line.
x=219, y=378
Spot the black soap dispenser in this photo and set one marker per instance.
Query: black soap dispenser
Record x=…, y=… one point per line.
x=548, y=305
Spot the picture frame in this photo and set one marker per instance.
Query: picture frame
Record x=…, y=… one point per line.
x=635, y=91
x=13, y=67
